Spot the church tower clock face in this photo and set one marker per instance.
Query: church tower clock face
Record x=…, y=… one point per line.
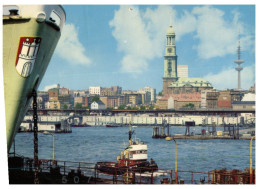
x=169, y=50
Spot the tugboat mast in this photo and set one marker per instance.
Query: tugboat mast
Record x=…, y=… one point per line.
x=130, y=133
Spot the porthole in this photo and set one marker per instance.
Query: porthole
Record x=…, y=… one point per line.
x=41, y=17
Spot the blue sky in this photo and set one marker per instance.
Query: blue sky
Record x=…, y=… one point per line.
x=106, y=45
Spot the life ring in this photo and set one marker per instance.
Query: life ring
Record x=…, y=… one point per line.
x=76, y=179
x=64, y=179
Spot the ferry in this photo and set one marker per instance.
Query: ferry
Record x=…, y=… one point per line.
x=133, y=159
x=30, y=36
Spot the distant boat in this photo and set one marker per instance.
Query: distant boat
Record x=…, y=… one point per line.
x=113, y=125
x=80, y=125
x=30, y=36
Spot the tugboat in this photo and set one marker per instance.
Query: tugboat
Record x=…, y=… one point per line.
x=132, y=159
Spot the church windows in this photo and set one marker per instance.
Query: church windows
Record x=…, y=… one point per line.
x=170, y=40
x=173, y=41
x=169, y=67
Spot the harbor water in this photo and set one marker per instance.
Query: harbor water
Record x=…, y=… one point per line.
x=93, y=144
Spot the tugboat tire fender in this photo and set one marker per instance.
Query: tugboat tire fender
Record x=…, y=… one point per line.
x=76, y=179
x=64, y=179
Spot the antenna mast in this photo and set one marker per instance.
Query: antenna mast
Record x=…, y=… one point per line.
x=238, y=62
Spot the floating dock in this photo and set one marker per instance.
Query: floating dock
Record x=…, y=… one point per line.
x=50, y=126
x=229, y=132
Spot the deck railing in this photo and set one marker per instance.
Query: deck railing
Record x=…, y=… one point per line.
x=83, y=172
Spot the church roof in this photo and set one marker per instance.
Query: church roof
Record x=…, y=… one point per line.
x=195, y=82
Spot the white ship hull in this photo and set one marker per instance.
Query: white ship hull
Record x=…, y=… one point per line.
x=30, y=36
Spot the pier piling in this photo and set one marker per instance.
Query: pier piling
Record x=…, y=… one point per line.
x=156, y=132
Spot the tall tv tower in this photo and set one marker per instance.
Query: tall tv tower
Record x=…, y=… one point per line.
x=238, y=62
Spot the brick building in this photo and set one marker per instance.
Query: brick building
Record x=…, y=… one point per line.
x=79, y=100
x=162, y=103
x=53, y=94
x=224, y=99
x=107, y=92
x=117, y=89
x=63, y=91
x=178, y=101
x=86, y=101
x=212, y=99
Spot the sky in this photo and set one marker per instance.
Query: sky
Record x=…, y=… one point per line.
x=107, y=45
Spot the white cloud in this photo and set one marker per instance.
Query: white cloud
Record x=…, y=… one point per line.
x=133, y=39
x=218, y=36
x=134, y=65
x=227, y=79
x=141, y=34
x=46, y=88
x=70, y=48
x=185, y=24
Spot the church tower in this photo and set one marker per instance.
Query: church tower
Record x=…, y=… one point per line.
x=170, y=60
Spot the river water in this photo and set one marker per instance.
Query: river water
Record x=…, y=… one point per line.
x=93, y=144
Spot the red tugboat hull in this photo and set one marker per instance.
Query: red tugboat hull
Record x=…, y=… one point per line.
x=113, y=168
